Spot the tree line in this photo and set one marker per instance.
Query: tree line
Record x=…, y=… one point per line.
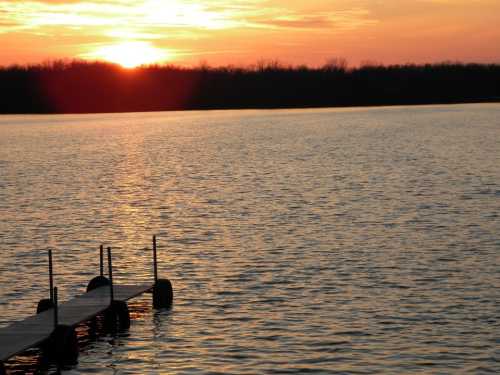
x=89, y=87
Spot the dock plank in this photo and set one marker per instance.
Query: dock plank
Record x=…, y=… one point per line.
x=35, y=329
x=25, y=334
x=126, y=292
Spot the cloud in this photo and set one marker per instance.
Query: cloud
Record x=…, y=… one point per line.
x=331, y=21
x=150, y=16
x=150, y=13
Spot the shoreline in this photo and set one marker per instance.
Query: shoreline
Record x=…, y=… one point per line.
x=356, y=105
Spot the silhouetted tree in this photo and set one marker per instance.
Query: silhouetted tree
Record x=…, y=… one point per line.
x=77, y=86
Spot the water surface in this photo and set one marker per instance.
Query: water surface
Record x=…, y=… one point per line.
x=328, y=241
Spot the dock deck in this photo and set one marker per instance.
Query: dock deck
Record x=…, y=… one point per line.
x=35, y=329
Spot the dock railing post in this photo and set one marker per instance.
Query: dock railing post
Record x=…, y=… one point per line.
x=101, y=280
x=47, y=303
x=56, y=308
x=101, y=260
x=63, y=342
x=162, y=288
x=51, y=277
x=155, y=261
x=110, y=270
x=117, y=313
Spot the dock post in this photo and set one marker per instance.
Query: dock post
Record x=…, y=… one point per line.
x=100, y=280
x=63, y=342
x=101, y=261
x=155, y=261
x=56, y=308
x=46, y=304
x=110, y=270
x=117, y=314
x=162, y=289
x=51, y=277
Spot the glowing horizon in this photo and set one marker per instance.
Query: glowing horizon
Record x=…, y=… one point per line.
x=129, y=54
x=222, y=32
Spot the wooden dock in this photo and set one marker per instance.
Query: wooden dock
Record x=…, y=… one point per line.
x=36, y=329
x=54, y=326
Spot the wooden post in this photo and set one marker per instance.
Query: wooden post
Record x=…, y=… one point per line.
x=51, y=278
x=162, y=288
x=47, y=303
x=155, y=262
x=56, y=309
x=101, y=260
x=110, y=270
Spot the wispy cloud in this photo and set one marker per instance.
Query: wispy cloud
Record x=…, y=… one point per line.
x=149, y=13
x=148, y=17
x=339, y=20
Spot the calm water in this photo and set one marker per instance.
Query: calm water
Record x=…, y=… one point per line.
x=305, y=241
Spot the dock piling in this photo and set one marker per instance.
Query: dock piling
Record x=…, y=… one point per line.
x=62, y=344
x=56, y=308
x=51, y=277
x=101, y=261
x=46, y=304
x=100, y=280
x=110, y=270
x=117, y=315
x=155, y=261
x=163, y=294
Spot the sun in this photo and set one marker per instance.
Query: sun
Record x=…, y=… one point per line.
x=130, y=54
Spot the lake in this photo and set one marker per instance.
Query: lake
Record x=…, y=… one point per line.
x=353, y=241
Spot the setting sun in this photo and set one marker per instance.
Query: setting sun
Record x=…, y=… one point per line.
x=130, y=54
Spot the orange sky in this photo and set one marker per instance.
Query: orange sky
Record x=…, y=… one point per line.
x=222, y=32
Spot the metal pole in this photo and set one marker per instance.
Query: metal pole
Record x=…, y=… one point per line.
x=155, y=262
x=51, y=277
x=56, y=309
x=101, y=260
x=110, y=270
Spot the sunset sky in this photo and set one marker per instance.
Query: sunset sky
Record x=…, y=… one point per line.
x=222, y=32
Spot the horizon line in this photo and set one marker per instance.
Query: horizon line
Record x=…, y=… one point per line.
x=341, y=63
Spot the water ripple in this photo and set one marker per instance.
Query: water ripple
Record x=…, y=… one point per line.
x=359, y=241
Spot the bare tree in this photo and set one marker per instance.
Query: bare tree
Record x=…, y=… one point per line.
x=336, y=64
